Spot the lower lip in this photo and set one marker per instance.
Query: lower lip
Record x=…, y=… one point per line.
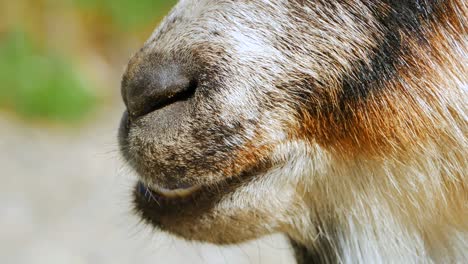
x=163, y=194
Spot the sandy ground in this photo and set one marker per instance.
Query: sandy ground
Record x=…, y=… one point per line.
x=64, y=198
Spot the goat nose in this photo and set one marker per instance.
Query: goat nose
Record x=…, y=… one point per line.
x=148, y=86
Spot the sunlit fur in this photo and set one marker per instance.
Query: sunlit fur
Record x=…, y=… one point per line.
x=365, y=164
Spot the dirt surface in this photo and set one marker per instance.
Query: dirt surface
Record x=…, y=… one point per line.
x=64, y=198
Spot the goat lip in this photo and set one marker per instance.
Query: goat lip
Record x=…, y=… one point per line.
x=162, y=192
x=175, y=193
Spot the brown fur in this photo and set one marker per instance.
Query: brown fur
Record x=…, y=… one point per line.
x=341, y=124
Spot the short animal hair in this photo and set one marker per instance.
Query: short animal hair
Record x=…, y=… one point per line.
x=339, y=123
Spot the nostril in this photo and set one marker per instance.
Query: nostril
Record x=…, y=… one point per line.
x=150, y=87
x=174, y=96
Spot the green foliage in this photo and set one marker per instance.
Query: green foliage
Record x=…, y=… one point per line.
x=128, y=14
x=40, y=85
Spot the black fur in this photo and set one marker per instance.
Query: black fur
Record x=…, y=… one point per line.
x=404, y=17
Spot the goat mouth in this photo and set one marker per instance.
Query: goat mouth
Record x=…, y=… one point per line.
x=167, y=208
x=162, y=209
x=171, y=200
x=183, y=193
x=158, y=193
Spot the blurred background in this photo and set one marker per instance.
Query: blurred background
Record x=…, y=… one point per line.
x=64, y=191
